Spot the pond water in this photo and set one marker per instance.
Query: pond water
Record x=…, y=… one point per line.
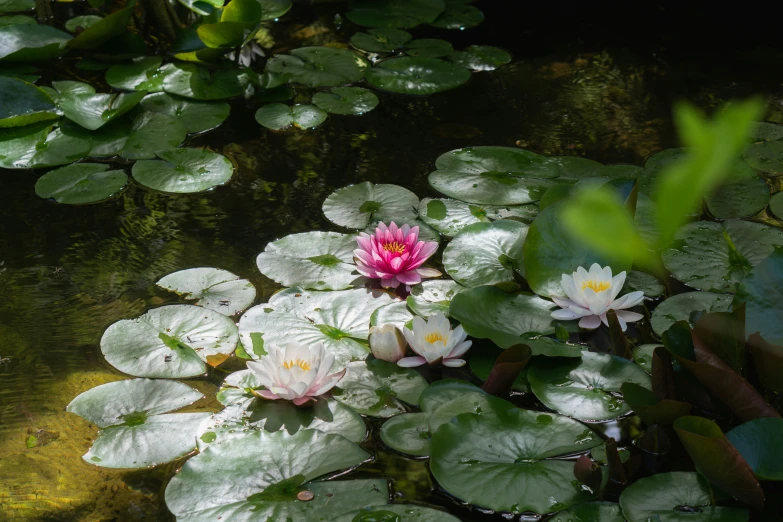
x=577, y=85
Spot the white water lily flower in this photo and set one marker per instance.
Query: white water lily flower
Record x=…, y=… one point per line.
x=296, y=373
x=387, y=343
x=434, y=341
x=247, y=54
x=592, y=294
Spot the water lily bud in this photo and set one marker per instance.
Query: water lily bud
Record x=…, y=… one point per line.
x=387, y=343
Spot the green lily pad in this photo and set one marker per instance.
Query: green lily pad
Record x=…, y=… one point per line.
x=675, y=497
x=278, y=116
x=346, y=100
x=760, y=442
x=311, y=260
x=18, y=144
x=192, y=81
x=143, y=74
x=480, y=58
x=433, y=297
x=396, y=313
x=152, y=132
x=81, y=104
x=739, y=199
x=84, y=22
x=776, y=205
x=16, y=20
x=377, y=388
x=357, y=206
x=184, y=171
x=33, y=146
x=398, y=513
x=381, y=40
x=428, y=48
x=27, y=73
x=408, y=433
x=416, y=75
x=490, y=188
x=764, y=131
x=135, y=431
x=643, y=355
x=762, y=293
x=766, y=156
x=642, y=282
x=23, y=103
x=679, y=308
x=512, y=446
x=340, y=320
x=449, y=216
x=459, y=16
x=591, y=512
x=172, y=341
x=218, y=484
x=486, y=253
x=12, y=6
x=213, y=288
x=586, y=389
x=272, y=9
x=31, y=43
x=196, y=116
x=717, y=256
x=319, y=66
x=81, y=183
x=109, y=140
x=487, y=312
x=399, y=14
x=103, y=30
x=479, y=160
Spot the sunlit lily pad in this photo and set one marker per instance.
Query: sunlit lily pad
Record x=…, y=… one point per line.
x=339, y=319
x=357, y=206
x=428, y=48
x=143, y=74
x=675, y=497
x=398, y=513
x=514, y=447
x=433, y=297
x=23, y=103
x=81, y=183
x=37, y=146
x=396, y=313
x=152, y=132
x=716, y=256
x=81, y=104
x=739, y=199
x=766, y=156
x=184, y=171
x=346, y=100
x=219, y=484
x=172, y=341
x=400, y=14
x=136, y=431
x=586, y=389
x=407, y=433
x=311, y=260
x=416, y=75
x=486, y=253
x=31, y=43
x=376, y=388
x=487, y=312
x=591, y=512
x=679, y=308
x=477, y=160
x=381, y=40
x=193, y=81
x=278, y=116
x=103, y=30
x=196, y=116
x=319, y=66
x=489, y=188
x=212, y=288
x=760, y=442
x=480, y=58
x=450, y=216
x=82, y=22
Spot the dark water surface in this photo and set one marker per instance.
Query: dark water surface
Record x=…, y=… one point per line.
x=595, y=84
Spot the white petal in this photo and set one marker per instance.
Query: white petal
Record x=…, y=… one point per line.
x=582, y=273
x=629, y=317
x=327, y=384
x=628, y=300
x=617, y=284
x=459, y=349
x=453, y=363
x=410, y=362
x=457, y=336
x=605, y=275
x=565, y=315
x=594, y=302
x=590, y=322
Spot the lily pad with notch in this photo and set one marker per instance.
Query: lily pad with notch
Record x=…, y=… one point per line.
x=433, y=297
x=766, y=156
x=142, y=74
x=184, y=171
x=24, y=43
x=357, y=206
x=680, y=307
x=278, y=116
x=81, y=183
x=382, y=40
x=196, y=116
x=480, y=58
x=193, y=81
x=739, y=199
x=319, y=66
x=152, y=132
x=353, y=101
x=81, y=104
x=379, y=388
x=396, y=313
x=458, y=16
x=213, y=288
x=39, y=145
x=416, y=75
x=398, y=14
x=428, y=48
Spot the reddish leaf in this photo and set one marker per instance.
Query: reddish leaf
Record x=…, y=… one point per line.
x=724, y=333
x=768, y=361
x=663, y=375
x=616, y=469
x=620, y=346
x=655, y=440
x=588, y=472
x=650, y=408
x=507, y=367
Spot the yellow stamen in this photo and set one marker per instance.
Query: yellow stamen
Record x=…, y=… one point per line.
x=596, y=286
x=434, y=337
x=299, y=362
x=394, y=246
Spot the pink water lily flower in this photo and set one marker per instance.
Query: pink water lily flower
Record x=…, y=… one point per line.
x=592, y=294
x=394, y=255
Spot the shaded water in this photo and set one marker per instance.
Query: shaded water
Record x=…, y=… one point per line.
x=579, y=85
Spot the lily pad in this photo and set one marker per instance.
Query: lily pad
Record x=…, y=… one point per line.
x=486, y=253
x=643, y=282
x=196, y=116
x=339, y=319
x=31, y=43
x=489, y=188
x=357, y=206
x=416, y=75
x=675, y=497
x=23, y=103
x=37, y=146
x=459, y=16
x=400, y=14
x=680, y=307
x=152, y=132
x=766, y=156
x=480, y=58
x=396, y=313
x=717, y=256
x=319, y=66
x=192, y=81
x=398, y=513
x=407, y=433
x=81, y=104
x=172, y=341
x=762, y=293
x=428, y=48
x=82, y=22
x=377, y=388
x=478, y=160
x=110, y=139
x=381, y=40
x=273, y=9
x=739, y=199
x=760, y=442
x=449, y=216
x=591, y=512
x=12, y=6
x=218, y=483
x=81, y=183
x=213, y=288
x=586, y=389
x=346, y=100
x=433, y=297
x=184, y=171
x=136, y=431
x=278, y=116
x=776, y=205
x=643, y=355
x=514, y=447
x=16, y=20
x=487, y=312
x=143, y=74
x=764, y=131
x=103, y=30
x=311, y=260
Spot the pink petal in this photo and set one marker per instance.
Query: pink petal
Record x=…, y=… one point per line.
x=565, y=315
x=628, y=317
x=410, y=362
x=266, y=394
x=301, y=401
x=410, y=277
x=396, y=264
x=390, y=282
